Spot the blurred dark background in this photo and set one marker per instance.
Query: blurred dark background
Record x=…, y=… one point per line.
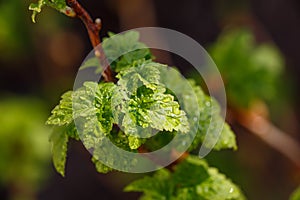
x=41, y=60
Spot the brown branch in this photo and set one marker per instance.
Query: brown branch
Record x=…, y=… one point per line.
x=93, y=28
x=179, y=157
x=155, y=160
x=270, y=134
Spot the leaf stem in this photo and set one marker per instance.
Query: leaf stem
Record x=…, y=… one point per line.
x=93, y=28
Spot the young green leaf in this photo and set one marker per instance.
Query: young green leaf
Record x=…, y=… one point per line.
x=151, y=109
x=156, y=187
x=59, y=141
x=210, y=121
x=192, y=179
x=145, y=74
x=59, y=5
x=100, y=167
x=186, y=194
x=123, y=50
x=212, y=127
x=92, y=62
x=92, y=108
x=62, y=114
x=218, y=187
x=198, y=169
x=135, y=142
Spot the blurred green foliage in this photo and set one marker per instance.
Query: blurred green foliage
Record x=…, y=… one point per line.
x=250, y=71
x=24, y=146
x=296, y=194
x=14, y=37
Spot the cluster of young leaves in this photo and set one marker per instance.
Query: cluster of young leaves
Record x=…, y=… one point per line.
x=139, y=103
x=24, y=147
x=59, y=5
x=250, y=70
x=192, y=179
x=296, y=194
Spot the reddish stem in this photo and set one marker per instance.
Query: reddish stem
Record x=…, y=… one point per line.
x=93, y=28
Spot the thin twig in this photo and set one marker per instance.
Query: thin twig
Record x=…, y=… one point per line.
x=155, y=160
x=174, y=155
x=270, y=134
x=93, y=28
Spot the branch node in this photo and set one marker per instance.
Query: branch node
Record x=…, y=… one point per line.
x=97, y=53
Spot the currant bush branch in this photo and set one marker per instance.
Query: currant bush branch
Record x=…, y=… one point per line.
x=93, y=28
x=270, y=134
